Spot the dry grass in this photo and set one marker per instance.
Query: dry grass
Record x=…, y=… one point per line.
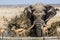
x=6, y=13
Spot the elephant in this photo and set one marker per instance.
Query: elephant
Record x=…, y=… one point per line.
x=39, y=14
x=37, y=8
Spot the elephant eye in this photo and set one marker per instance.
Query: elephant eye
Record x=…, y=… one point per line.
x=36, y=11
x=40, y=11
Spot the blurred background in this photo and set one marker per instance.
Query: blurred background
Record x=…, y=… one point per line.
x=14, y=2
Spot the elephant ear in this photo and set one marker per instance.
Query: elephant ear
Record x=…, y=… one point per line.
x=28, y=11
x=48, y=7
x=50, y=12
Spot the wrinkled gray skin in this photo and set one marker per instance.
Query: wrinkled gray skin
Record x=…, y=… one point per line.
x=39, y=14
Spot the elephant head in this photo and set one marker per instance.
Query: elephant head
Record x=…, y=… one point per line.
x=33, y=11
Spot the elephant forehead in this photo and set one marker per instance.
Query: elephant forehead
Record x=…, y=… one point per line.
x=39, y=9
x=39, y=6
